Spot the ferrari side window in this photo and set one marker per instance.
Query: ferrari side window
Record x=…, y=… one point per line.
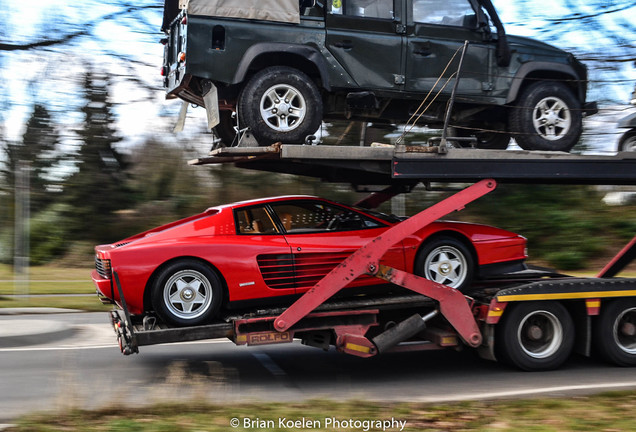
x=254, y=220
x=317, y=217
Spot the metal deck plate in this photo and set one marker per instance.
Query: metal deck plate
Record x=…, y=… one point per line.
x=389, y=165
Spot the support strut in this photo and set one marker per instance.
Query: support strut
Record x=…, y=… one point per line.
x=366, y=260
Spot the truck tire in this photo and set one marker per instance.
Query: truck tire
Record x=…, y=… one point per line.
x=280, y=104
x=547, y=117
x=615, y=332
x=187, y=293
x=535, y=335
x=446, y=260
x=628, y=141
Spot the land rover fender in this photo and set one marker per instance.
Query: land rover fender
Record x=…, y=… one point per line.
x=257, y=54
x=555, y=69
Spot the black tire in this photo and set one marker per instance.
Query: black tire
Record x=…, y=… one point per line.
x=262, y=106
x=187, y=293
x=615, y=332
x=446, y=260
x=547, y=117
x=535, y=335
x=628, y=141
x=488, y=140
x=225, y=129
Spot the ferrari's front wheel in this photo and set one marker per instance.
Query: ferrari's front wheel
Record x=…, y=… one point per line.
x=447, y=261
x=187, y=293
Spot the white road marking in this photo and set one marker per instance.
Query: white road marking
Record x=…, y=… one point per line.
x=269, y=364
x=82, y=343
x=526, y=392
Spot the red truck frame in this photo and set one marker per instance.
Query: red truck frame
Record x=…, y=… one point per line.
x=532, y=321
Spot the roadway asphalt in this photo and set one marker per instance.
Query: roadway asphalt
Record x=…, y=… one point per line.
x=87, y=371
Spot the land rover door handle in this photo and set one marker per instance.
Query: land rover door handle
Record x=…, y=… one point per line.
x=423, y=49
x=423, y=52
x=345, y=44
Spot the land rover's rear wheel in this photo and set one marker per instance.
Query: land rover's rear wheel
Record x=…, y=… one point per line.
x=280, y=104
x=187, y=293
x=547, y=117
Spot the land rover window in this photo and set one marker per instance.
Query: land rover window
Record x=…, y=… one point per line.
x=310, y=8
x=457, y=13
x=382, y=9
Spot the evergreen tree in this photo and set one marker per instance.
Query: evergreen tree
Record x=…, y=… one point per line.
x=6, y=203
x=97, y=189
x=39, y=147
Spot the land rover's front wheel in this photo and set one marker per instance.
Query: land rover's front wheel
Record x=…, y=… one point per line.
x=547, y=117
x=280, y=104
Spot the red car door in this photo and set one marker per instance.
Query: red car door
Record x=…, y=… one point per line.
x=321, y=235
x=262, y=251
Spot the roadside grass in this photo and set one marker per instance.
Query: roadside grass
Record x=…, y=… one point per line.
x=48, y=280
x=84, y=303
x=45, y=282
x=604, y=412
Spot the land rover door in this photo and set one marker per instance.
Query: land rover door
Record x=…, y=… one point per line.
x=365, y=37
x=436, y=32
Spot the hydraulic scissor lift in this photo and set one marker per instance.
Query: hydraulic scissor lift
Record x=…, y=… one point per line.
x=533, y=319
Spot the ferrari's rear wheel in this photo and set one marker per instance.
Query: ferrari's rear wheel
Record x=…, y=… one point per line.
x=187, y=293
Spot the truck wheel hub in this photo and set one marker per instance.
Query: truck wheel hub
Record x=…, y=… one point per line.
x=628, y=329
x=535, y=333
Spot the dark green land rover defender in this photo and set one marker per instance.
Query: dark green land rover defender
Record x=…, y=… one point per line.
x=280, y=67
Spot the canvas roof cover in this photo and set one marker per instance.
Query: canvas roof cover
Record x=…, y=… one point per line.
x=269, y=10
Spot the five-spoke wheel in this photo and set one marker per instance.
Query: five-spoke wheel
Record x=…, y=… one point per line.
x=186, y=292
x=447, y=261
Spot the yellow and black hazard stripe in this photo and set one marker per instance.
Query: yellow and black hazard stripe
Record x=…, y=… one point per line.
x=569, y=289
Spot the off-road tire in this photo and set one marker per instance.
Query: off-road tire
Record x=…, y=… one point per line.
x=547, y=116
x=272, y=118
